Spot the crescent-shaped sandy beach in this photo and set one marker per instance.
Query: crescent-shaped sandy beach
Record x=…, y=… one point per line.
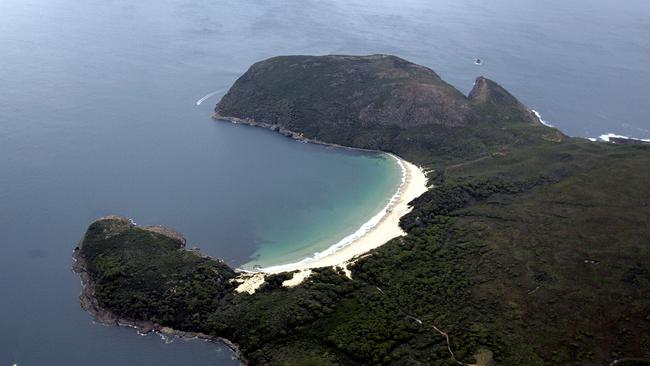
x=414, y=183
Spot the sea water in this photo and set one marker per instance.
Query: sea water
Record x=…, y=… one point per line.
x=349, y=205
x=99, y=115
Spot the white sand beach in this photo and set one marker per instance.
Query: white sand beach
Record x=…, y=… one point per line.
x=413, y=185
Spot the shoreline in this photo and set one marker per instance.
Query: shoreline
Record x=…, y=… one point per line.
x=359, y=233
x=89, y=303
x=381, y=228
x=607, y=137
x=413, y=184
x=342, y=253
x=288, y=133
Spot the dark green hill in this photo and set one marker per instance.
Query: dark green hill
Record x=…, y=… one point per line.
x=382, y=102
x=531, y=249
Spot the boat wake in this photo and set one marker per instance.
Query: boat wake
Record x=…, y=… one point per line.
x=198, y=102
x=363, y=230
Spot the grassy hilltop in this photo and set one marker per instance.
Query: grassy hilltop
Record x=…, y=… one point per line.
x=531, y=249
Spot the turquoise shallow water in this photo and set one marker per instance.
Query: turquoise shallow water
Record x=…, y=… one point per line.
x=288, y=236
x=98, y=116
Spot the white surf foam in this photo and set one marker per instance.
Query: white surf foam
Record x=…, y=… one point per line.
x=198, y=102
x=363, y=230
x=539, y=117
x=610, y=135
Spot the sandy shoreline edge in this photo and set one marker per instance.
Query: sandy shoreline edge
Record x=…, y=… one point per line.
x=414, y=184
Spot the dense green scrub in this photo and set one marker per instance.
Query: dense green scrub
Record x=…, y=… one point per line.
x=532, y=247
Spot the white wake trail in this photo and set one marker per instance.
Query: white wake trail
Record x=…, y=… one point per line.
x=198, y=102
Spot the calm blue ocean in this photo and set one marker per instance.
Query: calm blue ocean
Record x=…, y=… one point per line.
x=98, y=116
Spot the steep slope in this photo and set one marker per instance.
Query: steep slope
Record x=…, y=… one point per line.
x=498, y=104
x=380, y=102
x=342, y=91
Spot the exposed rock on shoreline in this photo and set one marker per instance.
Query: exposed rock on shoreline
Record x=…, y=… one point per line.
x=89, y=302
x=283, y=131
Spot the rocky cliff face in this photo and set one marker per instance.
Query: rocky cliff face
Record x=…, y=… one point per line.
x=495, y=103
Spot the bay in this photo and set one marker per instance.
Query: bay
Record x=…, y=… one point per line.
x=98, y=116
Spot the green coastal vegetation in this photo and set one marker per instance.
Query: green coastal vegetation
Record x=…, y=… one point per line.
x=531, y=247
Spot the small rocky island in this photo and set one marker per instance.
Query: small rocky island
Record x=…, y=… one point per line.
x=529, y=249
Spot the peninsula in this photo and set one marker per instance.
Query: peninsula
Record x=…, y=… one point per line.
x=523, y=246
